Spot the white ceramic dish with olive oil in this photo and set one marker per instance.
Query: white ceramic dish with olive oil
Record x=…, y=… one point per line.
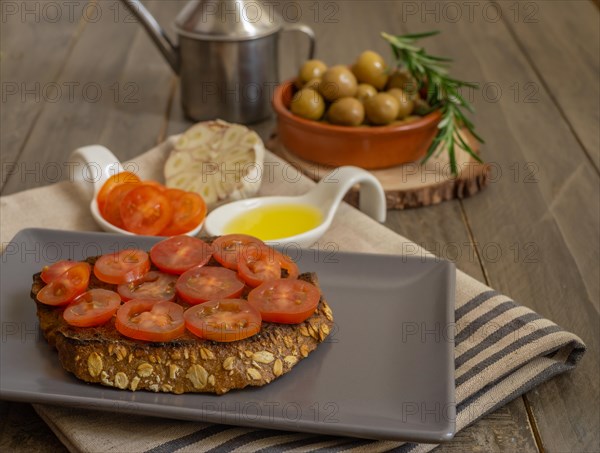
x=299, y=220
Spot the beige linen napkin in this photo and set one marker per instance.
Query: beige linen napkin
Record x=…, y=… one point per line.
x=502, y=349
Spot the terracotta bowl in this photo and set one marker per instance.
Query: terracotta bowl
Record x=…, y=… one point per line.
x=366, y=147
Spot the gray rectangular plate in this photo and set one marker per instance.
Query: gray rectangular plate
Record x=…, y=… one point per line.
x=386, y=372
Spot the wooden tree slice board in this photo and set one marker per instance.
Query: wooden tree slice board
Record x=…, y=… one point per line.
x=410, y=185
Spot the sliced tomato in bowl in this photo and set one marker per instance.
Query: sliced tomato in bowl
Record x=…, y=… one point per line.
x=229, y=248
x=111, y=209
x=223, y=320
x=189, y=210
x=124, y=177
x=92, y=308
x=258, y=266
x=285, y=301
x=146, y=210
x=121, y=267
x=150, y=320
x=158, y=186
x=64, y=288
x=200, y=284
x=180, y=253
x=154, y=285
x=51, y=272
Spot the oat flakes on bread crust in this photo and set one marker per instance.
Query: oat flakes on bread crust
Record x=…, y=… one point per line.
x=189, y=364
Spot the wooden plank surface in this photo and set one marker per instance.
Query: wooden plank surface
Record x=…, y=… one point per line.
x=22, y=430
x=28, y=43
x=521, y=242
x=568, y=64
x=542, y=221
x=120, y=91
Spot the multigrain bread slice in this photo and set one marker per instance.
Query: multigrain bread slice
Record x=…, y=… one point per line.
x=189, y=364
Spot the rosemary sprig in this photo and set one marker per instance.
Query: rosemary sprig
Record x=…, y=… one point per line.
x=443, y=92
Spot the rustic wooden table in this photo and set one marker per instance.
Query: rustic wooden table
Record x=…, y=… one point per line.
x=76, y=73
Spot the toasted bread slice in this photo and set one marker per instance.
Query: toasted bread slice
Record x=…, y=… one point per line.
x=188, y=364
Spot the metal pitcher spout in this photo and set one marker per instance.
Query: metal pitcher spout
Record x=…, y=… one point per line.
x=169, y=50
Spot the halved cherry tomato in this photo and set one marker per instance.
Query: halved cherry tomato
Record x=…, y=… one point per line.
x=53, y=271
x=180, y=253
x=120, y=178
x=152, y=286
x=145, y=210
x=111, y=210
x=150, y=320
x=259, y=266
x=223, y=320
x=92, y=308
x=189, y=210
x=121, y=267
x=200, y=284
x=158, y=186
x=287, y=264
x=229, y=247
x=64, y=288
x=285, y=301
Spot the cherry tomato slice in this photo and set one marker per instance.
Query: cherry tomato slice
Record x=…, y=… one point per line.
x=189, y=210
x=200, y=284
x=152, y=286
x=145, y=210
x=287, y=264
x=67, y=286
x=259, y=266
x=229, y=247
x=180, y=253
x=121, y=267
x=150, y=320
x=92, y=308
x=120, y=178
x=55, y=270
x=158, y=186
x=285, y=301
x=111, y=210
x=223, y=320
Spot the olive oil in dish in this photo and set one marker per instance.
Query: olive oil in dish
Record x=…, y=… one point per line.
x=276, y=221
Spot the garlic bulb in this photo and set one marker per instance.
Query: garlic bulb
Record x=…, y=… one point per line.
x=218, y=160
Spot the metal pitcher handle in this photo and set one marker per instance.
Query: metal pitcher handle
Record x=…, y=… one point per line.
x=308, y=32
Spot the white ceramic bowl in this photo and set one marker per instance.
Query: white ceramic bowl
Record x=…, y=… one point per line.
x=325, y=196
x=102, y=160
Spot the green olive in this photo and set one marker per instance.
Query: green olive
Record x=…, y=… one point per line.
x=311, y=69
x=406, y=103
x=365, y=91
x=371, y=68
x=313, y=84
x=346, y=112
x=422, y=107
x=407, y=120
x=338, y=82
x=402, y=79
x=308, y=104
x=411, y=118
x=382, y=108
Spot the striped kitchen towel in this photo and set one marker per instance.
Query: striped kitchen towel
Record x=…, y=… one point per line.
x=502, y=349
